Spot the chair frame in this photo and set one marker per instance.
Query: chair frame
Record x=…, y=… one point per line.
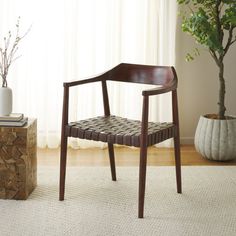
x=119, y=74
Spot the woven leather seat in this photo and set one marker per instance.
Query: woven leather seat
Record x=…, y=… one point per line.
x=119, y=130
x=114, y=129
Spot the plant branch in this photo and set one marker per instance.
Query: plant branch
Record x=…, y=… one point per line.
x=214, y=56
x=8, y=52
x=218, y=23
x=233, y=41
x=229, y=41
x=14, y=60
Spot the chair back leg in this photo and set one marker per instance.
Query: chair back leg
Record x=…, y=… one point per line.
x=112, y=161
x=175, y=114
x=110, y=145
x=178, y=164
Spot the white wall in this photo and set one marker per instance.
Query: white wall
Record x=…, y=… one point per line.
x=198, y=84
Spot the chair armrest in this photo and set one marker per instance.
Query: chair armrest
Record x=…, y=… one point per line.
x=160, y=90
x=101, y=77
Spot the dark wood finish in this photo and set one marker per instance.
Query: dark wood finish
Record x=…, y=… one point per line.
x=110, y=145
x=143, y=156
x=144, y=74
x=105, y=99
x=175, y=115
x=112, y=161
x=113, y=129
x=133, y=73
x=85, y=81
x=64, y=138
x=156, y=91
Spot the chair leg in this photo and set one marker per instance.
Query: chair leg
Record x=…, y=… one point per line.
x=178, y=163
x=142, y=179
x=63, y=167
x=112, y=161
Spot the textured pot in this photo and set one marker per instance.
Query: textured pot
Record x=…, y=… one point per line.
x=5, y=101
x=216, y=139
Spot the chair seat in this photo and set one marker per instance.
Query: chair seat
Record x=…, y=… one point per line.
x=118, y=130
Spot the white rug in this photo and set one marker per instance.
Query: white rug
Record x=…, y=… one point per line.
x=95, y=205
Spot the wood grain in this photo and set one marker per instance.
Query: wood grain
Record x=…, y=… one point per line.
x=126, y=156
x=18, y=160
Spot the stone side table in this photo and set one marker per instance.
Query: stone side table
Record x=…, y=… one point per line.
x=18, y=160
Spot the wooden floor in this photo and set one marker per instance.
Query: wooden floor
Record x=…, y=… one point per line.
x=125, y=157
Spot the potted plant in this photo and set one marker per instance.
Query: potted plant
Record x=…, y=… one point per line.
x=212, y=23
x=8, y=51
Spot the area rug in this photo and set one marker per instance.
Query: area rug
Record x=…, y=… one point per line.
x=95, y=205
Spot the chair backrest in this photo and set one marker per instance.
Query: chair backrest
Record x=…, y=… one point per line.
x=144, y=74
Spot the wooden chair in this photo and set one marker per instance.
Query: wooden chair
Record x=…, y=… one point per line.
x=118, y=130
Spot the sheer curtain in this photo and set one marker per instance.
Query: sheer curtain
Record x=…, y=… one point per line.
x=76, y=39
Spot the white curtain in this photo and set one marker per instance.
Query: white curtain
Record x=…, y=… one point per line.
x=76, y=39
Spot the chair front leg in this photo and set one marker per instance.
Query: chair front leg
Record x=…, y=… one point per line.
x=177, y=141
x=143, y=156
x=64, y=139
x=63, y=167
x=142, y=179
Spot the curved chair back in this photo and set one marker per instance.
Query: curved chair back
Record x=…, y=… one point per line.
x=144, y=74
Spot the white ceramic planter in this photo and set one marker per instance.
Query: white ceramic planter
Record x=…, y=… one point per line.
x=5, y=101
x=216, y=139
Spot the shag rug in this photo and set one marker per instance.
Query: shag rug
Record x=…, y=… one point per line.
x=95, y=205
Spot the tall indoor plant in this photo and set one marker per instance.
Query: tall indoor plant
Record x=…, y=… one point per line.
x=212, y=23
x=8, y=51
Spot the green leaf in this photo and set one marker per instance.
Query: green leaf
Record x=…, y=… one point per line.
x=200, y=20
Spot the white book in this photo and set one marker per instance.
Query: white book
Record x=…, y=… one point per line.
x=12, y=117
x=20, y=123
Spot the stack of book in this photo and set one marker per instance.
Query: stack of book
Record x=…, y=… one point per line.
x=14, y=119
